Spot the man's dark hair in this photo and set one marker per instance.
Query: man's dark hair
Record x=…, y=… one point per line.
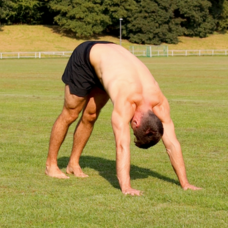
x=149, y=132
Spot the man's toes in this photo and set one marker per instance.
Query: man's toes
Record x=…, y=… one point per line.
x=56, y=174
x=81, y=175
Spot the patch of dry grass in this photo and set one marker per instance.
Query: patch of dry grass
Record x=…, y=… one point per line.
x=215, y=41
x=48, y=38
x=40, y=38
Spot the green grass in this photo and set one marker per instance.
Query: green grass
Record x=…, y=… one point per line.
x=31, y=97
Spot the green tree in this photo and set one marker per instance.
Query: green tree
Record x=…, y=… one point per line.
x=116, y=9
x=216, y=8
x=28, y=12
x=7, y=11
x=222, y=24
x=85, y=18
x=153, y=22
x=21, y=11
x=197, y=20
x=48, y=14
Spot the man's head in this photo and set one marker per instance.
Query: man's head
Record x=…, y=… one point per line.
x=149, y=131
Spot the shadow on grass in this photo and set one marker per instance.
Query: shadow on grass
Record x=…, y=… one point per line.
x=107, y=169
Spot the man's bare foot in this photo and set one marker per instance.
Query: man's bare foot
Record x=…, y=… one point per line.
x=55, y=172
x=77, y=171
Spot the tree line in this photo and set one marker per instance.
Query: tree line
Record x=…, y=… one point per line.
x=144, y=21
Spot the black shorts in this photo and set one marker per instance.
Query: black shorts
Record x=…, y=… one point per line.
x=79, y=73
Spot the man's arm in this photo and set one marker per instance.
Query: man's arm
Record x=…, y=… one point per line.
x=172, y=145
x=121, y=117
x=173, y=149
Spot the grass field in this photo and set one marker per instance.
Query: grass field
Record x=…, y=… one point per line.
x=16, y=38
x=31, y=97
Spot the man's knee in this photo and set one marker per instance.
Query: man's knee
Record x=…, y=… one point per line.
x=69, y=116
x=89, y=117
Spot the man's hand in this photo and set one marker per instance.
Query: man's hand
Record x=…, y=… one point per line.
x=132, y=192
x=192, y=187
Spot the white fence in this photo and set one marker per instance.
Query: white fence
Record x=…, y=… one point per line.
x=38, y=55
x=197, y=52
x=137, y=52
x=148, y=52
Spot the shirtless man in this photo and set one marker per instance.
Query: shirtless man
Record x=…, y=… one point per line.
x=96, y=72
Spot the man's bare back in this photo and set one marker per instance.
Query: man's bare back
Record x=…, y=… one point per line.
x=122, y=73
x=134, y=92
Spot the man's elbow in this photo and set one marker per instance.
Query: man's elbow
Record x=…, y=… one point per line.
x=168, y=150
x=172, y=147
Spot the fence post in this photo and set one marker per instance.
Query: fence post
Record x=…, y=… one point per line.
x=39, y=55
x=0, y=55
x=18, y=55
x=147, y=51
x=199, y=53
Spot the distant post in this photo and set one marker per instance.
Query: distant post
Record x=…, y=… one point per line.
x=120, y=29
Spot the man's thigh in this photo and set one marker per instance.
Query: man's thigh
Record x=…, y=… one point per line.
x=73, y=104
x=96, y=101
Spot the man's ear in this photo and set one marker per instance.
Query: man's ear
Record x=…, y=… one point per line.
x=136, y=122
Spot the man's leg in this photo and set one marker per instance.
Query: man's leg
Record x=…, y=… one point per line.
x=71, y=109
x=97, y=99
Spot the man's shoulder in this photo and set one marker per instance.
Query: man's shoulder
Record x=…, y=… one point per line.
x=162, y=109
